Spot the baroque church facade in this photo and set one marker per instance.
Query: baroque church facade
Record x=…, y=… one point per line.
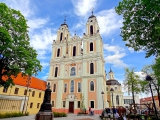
x=78, y=69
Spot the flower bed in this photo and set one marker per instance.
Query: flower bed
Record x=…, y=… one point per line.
x=57, y=114
x=12, y=114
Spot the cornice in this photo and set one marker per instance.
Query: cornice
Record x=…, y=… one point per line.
x=75, y=77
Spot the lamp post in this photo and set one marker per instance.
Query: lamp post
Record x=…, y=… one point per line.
x=28, y=100
x=102, y=99
x=28, y=82
x=112, y=90
x=149, y=79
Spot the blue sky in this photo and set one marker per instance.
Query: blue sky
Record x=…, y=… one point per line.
x=45, y=17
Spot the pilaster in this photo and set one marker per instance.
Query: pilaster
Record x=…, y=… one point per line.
x=85, y=91
x=59, y=94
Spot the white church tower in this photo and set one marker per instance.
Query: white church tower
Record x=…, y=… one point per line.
x=75, y=71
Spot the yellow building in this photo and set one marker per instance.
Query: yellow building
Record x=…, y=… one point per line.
x=16, y=98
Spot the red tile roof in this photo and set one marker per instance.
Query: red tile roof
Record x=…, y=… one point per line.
x=148, y=99
x=34, y=82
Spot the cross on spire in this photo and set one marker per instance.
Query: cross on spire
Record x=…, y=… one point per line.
x=92, y=10
x=75, y=32
x=65, y=19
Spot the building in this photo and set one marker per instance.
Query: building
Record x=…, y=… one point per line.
x=77, y=68
x=129, y=100
x=149, y=100
x=115, y=97
x=12, y=99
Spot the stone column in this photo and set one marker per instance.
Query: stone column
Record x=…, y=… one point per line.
x=99, y=86
x=59, y=94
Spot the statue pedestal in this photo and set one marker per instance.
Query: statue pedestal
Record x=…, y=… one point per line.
x=45, y=112
x=44, y=116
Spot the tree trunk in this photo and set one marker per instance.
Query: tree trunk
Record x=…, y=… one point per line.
x=133, y=98
x=158, y=96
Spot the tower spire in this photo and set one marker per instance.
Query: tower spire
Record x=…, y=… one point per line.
x=65, y=19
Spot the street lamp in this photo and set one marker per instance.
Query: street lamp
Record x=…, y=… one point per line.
x=102, y=99
x=112, y=90
x=149, y=79
x=28, y=82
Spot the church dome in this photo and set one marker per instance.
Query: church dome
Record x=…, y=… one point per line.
x=64, y=24
x=92, y=16
x=112, y=82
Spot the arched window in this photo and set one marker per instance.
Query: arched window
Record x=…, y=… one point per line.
x=74, y=51
x=72, y=86
x=91, y=86
x=91, y=46
x=91, y=30
x=65, y=88
x=91, y=68
x=106, y=88
x=54, y=88
x=73, y=71
x=58, y=52
x=56, y=72
x=61, y=36
x=115, y=88
x=117, y=100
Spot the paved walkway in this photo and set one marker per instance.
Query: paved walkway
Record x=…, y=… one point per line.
x=69, y=117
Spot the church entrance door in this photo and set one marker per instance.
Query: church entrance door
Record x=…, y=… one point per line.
x=71, y=107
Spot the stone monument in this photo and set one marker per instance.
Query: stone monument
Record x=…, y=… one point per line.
x=45, y=112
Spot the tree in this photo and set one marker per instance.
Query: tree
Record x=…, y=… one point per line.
x=132, y=83
x=15, y=50
x=141, y=25
x=82, y=106
x=154, y=72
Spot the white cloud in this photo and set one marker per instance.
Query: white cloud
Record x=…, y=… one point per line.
x=112, y=40
x=36, y=23
x=43, y=40
x=22, y=6
x=116, y=49
x=117, y=53
x=142, y=75
x=45, y=77
x=108, y=21
x=44, y=64
x=82, y=7
x=116, y=60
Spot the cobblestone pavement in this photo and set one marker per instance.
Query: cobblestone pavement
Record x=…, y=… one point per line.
x=69, y=117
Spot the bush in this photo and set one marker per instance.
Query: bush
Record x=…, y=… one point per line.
x=58, y=114
x=13, y=114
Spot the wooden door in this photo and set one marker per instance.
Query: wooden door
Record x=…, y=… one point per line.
x=71, y=107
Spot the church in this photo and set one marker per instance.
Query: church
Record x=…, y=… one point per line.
x=77, y=68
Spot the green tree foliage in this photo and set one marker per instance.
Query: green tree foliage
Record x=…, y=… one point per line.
x=141, y=25
x=15, y=50
x=132, y=83
x=82, y=106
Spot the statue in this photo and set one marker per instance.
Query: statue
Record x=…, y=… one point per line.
x=45, y=112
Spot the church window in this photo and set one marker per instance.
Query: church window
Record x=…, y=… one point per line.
x=115, y=88
x=79, y=87
x=64, y=104
x=91, y=86
x=52, y=103
x=91, y=68
x=117, y=100
x=73, y=71
x=54, y=88
x=58, y=52
x=72, y=86
x=74, y=51
x=106, y=88
x=61, y=36
x=92, y=104
x=65, y=88
x=91, y=30
x=91, y=46
x=56, y=72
